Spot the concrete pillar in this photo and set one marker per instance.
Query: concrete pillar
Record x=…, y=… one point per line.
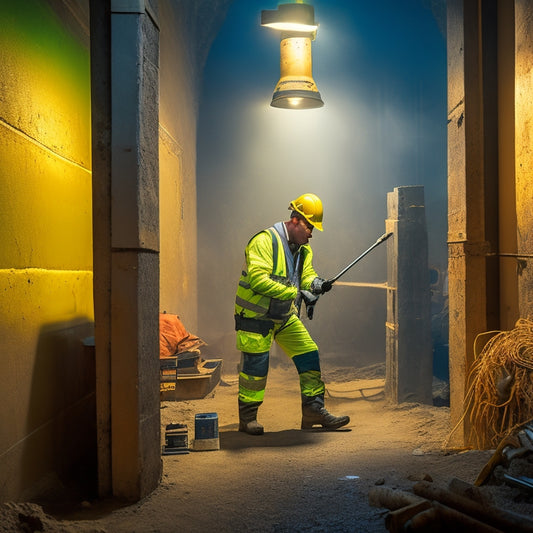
x=100, y=23
x=509, y=312
x=472, y=192
x=126, y=236
x=524, y=153
x=409, y=358
x=135, y=419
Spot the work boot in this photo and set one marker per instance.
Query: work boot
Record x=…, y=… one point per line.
x=248, y=418
x=314, y=413
x=252, y=428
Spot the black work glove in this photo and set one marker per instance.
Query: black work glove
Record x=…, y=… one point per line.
x=321, y=286
x=326, y=286
x=310, y=300
x=308, y=297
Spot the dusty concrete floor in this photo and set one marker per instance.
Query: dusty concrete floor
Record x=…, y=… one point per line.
x=287, y=480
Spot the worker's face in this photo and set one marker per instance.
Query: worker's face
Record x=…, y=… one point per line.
x=302, y=231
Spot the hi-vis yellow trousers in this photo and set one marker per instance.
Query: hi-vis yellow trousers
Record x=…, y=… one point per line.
x=294, y=339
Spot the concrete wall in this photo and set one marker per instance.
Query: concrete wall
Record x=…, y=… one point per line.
x=177, y=160
x=187, y=31
x=46, y=304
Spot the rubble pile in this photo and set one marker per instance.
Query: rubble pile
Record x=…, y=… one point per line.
x=458, y=507
x=500, y=500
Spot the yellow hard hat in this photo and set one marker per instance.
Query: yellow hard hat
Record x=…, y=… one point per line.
x=310, y=206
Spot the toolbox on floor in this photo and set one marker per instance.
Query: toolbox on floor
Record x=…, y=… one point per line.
x=176, y=439
x=189, y=382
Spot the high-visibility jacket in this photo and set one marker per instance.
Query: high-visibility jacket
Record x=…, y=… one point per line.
x=265, y=290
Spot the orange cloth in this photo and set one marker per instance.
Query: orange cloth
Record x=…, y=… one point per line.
x=174, y=337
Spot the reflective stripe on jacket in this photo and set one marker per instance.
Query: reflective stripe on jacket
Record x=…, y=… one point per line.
x=264, y=290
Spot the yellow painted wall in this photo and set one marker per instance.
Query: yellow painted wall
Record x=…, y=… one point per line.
x=46, y=303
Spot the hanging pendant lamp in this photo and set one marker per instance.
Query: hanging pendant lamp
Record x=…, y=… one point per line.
x=296, y=88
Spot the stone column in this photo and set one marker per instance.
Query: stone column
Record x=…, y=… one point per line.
x=409, y=357
x=135, y=404
x=125, y=46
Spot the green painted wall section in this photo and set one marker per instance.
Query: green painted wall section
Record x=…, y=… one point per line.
x=46, y=288
x=45, y=79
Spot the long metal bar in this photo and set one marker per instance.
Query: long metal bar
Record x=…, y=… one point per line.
x=383, y=238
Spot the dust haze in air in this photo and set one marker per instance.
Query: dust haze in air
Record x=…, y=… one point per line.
x=381, y=70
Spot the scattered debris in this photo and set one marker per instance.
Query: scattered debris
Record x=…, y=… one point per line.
x=30, y=517
x=419, y=477
x=462, y=506
x=432, y=509
x=512, y=462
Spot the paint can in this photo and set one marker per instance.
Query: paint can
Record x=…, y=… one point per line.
x=206, y=432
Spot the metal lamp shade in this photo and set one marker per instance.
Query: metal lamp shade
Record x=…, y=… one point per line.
x=296, y=88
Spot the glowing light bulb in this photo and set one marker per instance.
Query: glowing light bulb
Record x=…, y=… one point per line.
x=292, y=26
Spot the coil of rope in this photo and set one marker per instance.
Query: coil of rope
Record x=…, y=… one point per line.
x=500, y=384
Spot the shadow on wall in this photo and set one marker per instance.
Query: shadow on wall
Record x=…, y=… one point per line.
x=59, y=456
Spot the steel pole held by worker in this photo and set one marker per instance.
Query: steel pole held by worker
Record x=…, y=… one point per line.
x=383, y=238
x=311, y=299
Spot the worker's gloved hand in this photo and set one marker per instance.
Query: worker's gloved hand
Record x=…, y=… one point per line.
x=321, y=286
x=326, y=286
x=310, y=300
x=308, y=297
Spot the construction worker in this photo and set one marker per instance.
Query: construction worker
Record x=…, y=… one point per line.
x=279, y=273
